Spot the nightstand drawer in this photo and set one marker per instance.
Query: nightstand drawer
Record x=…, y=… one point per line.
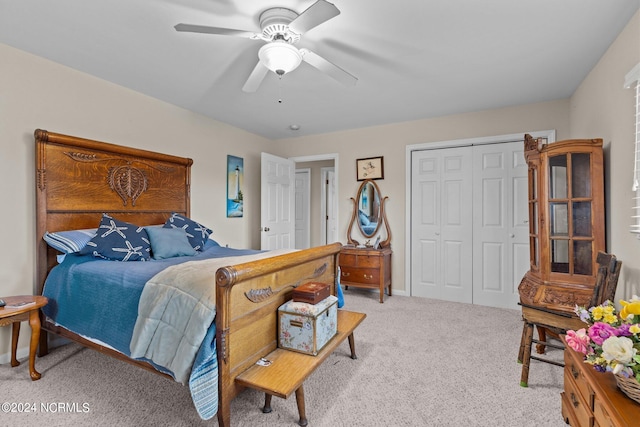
x=366, y=261
x=577, y=376
x=602, y=416
x=360, y=275
x=573, y=399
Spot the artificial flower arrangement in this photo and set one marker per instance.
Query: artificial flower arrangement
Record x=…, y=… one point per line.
x=611, y=342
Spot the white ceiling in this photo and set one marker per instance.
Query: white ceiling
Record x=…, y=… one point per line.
x=414, y=58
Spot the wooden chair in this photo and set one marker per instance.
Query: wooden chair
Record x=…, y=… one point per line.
x=556, y=322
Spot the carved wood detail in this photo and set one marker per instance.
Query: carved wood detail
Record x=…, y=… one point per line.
x=128, y=182
x=527, y=290
x=259, y=295
x=564, y=298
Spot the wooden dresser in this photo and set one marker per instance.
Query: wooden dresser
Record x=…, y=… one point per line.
x=592, y=398
x=366, y=268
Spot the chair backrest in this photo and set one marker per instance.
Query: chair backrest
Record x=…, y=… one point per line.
x=606, y=278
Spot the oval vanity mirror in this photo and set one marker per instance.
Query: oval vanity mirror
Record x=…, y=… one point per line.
x=368, y=209
x=369, y=215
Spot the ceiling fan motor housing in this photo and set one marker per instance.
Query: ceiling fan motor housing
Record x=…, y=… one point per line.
x=275, y=24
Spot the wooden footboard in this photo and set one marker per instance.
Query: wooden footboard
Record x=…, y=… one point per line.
x=247, y=298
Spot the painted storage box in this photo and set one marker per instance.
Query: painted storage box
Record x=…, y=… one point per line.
x=306, y=328
x=312, y=292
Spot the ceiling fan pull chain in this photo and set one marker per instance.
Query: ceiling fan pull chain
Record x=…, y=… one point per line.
x=280, y=89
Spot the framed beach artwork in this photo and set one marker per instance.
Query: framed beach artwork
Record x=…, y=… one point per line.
x=235, y=181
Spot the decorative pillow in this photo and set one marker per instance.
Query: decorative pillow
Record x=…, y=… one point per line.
x=69, y=241
x=197, y=233
x=169, y=242
x=364, y=219
x=119, y=241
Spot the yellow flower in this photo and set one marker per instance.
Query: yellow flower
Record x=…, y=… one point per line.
x=597, y=312
x=629, y=308
x=634, y=329
x=610, y=318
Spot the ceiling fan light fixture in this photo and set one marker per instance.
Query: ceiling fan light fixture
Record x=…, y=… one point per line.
x=280, y=57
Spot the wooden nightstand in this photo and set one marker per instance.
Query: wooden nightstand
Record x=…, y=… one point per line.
x=366, y=268
x=14, y=315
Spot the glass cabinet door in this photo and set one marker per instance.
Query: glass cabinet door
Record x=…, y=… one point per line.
x=534, y=238
x=570, y=231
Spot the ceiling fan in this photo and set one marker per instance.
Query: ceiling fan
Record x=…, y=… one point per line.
x=281, y=29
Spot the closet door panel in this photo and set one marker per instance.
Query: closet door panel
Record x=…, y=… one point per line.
x=500, y=229
x=441, y=220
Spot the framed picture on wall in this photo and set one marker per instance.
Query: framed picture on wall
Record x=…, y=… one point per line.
x=235, y=180
x=370, y=168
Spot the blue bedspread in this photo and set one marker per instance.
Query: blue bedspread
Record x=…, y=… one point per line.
x=98, y=299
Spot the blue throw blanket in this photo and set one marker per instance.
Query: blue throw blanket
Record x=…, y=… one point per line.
x=85, y=293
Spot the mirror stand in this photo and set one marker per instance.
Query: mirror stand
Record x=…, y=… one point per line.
x=369, y=223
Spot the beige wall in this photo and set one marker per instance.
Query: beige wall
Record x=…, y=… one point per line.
x=602, y=108
x=36, y=93
x=391, y=141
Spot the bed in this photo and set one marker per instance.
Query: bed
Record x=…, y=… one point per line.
x=78, y=180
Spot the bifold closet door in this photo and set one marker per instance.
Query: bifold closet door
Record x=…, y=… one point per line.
x=441, y=224
x=500, y=223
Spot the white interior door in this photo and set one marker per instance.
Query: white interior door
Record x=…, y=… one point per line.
x=303, y=208
x=500, y=225
x=277, y=193
x=441, y=224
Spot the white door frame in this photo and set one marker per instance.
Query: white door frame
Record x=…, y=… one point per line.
x=549, y=134
x=318, y=157
x=305, y=242
x=324, y=172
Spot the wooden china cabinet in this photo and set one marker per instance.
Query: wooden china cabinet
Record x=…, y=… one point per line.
x=566, y=222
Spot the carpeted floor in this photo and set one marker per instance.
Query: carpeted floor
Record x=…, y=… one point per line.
x=421, y=362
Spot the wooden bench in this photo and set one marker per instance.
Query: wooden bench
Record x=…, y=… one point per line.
x=289, y=370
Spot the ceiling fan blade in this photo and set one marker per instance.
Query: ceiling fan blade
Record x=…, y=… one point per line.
x=327, y=67
x=319, y=12
x=188, y=28
x=255, y=78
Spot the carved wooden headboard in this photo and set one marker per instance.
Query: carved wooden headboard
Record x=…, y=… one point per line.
x=77, y=180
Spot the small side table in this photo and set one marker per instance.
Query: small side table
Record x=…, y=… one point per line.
x=14, y=315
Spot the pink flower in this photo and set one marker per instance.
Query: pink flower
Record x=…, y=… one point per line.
x=578, y=340
x=599, y=332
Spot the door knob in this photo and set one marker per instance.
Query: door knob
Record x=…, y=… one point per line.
x=266, y=229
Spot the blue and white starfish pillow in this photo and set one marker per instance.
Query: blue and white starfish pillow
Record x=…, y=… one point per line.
x=197, y=233
x=119, y=241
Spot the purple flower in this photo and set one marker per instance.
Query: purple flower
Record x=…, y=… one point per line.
x=599, y=332
x=583, y=313
x=623, y=330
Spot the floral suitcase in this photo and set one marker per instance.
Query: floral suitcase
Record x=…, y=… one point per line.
x=306, y=328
